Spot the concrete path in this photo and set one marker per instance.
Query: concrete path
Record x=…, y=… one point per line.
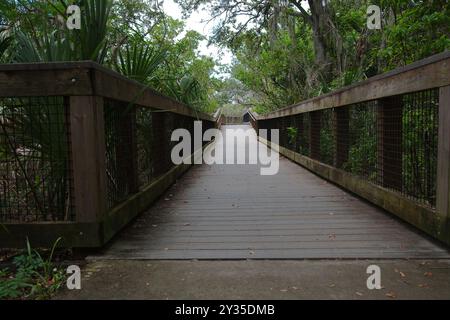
x=319, y=279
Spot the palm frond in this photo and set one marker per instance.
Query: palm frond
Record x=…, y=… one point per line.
x=5, y=43
x=92, y=36
x=139, y=61
x=48, y=48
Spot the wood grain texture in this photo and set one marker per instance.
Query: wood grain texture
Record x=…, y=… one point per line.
x=84, y=78
x=443, y=176
x=232, y=212
x=88, y=160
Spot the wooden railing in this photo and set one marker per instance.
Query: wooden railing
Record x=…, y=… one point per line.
x=386, y=139
x=83, y=151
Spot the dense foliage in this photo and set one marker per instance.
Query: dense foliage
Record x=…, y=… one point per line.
x=133, y=37
x=286, y=53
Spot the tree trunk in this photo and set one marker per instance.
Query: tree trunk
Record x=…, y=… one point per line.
x=318, y=24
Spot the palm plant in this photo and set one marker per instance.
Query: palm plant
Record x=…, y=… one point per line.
x=88, y=43
x=5, y=42
x=187, y=90
x=52, y=47
x=33, y=130
x=139, y=61
x=92, y=38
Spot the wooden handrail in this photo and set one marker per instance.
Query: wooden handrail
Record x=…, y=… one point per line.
x=85, y=78
x=432, y=72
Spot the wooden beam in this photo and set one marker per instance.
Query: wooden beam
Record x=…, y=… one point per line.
x=112, y=85
x=87, y=142
x=84, y=78
x=53, y=82
x=432, y=72
x=443, y=174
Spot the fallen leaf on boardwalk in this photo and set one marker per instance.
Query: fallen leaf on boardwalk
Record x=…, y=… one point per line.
x=359, y=293
x=428, y=274
x=332, y=285
x=252, y=252
x=187, y=224
x=294, y=288
x=154, y=225
x=423, y=285
x=396, y=271
x=332, y=236
x=391, y=295
x=166, y=199
x=402, y=274
x=283, y=290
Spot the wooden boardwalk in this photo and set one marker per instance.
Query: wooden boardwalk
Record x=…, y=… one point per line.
x=232, y=212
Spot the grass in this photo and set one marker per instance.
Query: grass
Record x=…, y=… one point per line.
x=32, y=276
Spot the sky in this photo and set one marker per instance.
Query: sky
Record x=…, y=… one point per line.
x=194, y=22
x=197, y=22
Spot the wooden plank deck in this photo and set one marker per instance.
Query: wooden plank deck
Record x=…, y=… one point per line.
x=232, y=212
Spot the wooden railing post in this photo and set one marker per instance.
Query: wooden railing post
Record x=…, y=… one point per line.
x=314, y=136
x=283, y=131
x=389, y=148
x=269, y=125
x=88, y=159
x=443, y=171
x=341, y=129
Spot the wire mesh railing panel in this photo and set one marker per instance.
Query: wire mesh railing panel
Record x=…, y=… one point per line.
x=118, y=117
x=361, y=139
x=291, y=133
x=35, y=179
x=304, y=132
x=391, y=142
x=145, y=142
x=420, y=145
x=327, y=138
